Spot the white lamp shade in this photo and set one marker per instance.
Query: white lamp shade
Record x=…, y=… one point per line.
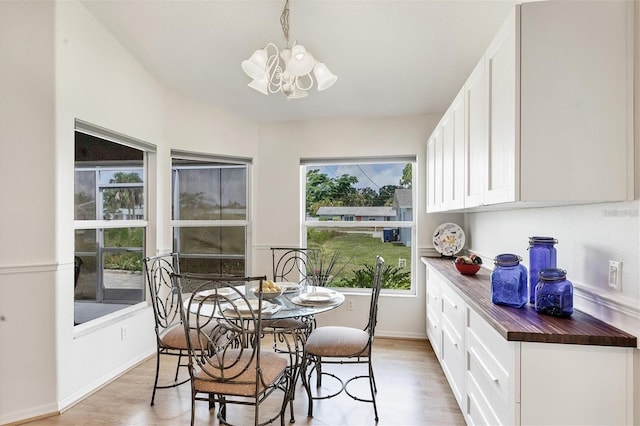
x=324, y=77
x=260, y=85
x=301, y=62
x=255, y=67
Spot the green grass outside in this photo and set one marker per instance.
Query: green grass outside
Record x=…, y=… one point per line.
x=358, y=249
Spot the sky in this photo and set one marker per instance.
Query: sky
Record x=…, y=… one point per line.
x=373, y=176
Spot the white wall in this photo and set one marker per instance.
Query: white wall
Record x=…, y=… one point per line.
x=59, y=64
x=27, y=215
x=101, y=83
x=277, y=200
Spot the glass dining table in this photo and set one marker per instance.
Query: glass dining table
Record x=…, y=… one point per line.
x=303, y=302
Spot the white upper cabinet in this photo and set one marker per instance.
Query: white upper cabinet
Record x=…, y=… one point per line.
x=435, y=200
x=549, y=110
x=502, y=150
x=475, y=144
x=453, y=132
x=446, y=160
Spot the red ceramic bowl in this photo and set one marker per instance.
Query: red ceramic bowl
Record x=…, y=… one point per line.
x=467, y=268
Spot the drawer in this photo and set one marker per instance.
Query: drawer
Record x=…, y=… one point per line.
x=453, y=311
x=434, y=333
x=491, y=365
x=497, y=346
x=453, y=362
x=479, y=410
x=434, y=288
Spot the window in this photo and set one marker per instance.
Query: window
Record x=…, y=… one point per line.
x=210, y=213
x=359, y=209
x=110, y=221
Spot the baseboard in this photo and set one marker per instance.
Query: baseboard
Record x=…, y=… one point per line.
x=29, y=415
x=399, y=335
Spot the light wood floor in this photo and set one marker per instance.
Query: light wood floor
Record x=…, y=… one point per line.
x=412, y=390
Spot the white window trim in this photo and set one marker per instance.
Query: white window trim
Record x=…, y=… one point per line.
x=304, y=224
x=246, y=223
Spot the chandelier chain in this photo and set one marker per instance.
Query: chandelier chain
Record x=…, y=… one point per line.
x=284, y=21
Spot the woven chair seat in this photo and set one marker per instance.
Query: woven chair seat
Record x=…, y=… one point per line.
x=174, y=337
x=271, y=365
x=334, y=341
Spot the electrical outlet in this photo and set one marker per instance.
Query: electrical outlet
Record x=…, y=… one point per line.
x=124, y=333
x=615, y=275
x=349, y=305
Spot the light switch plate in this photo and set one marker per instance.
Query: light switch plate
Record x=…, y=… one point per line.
x=615, y=275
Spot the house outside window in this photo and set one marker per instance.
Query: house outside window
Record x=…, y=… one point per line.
x=210, y=211
x=110, y=220
x=359, y=209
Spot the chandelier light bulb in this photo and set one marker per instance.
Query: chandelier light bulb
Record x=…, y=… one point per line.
x=301, y=62
x=287, y=71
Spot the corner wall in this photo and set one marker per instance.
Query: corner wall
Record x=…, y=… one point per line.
x=278, y=200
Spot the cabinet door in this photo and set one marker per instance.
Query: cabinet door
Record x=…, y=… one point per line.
x=456, y=200
x=434, y=312
x=475, y=150
x=435, y=172
x=447, y=131
x=453, y=348
x=431, y=175
x=503, y=150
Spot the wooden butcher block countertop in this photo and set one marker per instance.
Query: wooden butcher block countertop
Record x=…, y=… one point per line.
x=525, y=324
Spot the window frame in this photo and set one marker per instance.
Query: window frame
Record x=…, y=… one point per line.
x=100, y=225
x=176, y=224
x=412, y=224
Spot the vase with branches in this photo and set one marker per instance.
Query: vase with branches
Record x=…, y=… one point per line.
x=322, y=267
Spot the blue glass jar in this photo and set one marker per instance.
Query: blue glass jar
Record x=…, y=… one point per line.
x=542, y=255
x=509, y=281
x=554, y=293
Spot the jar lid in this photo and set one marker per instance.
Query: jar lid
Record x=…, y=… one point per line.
x=542, y=240
x=552, y=274
x=507, y=259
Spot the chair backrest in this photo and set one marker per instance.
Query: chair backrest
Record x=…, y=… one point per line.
x=217, y=323
x=164, y=298
x=290, y=264
x=375, y=294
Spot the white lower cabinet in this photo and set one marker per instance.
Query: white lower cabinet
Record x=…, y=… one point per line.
x=434, y=313
x=492, y=395
x=501, y=382
x=453, y=351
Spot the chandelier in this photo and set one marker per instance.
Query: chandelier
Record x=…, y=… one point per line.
x=287, y=71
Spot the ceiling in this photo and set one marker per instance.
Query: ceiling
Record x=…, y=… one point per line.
x=392, y=58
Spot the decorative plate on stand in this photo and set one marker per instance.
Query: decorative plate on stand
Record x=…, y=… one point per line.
x=448, y=239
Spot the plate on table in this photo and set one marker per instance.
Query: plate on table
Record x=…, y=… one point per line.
x=252, y=306
x=448, y=239
x=320, y=296
x=224, y=291
x=288, y=287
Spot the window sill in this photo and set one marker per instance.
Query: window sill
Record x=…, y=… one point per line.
x=109, y=319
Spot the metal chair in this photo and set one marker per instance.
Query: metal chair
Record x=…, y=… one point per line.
x=230, y=368
x=290, y=264
x=170, y=339
x=343, y=345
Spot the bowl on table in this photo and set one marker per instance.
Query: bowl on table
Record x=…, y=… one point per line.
x=467, y=268
x=269, y=291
